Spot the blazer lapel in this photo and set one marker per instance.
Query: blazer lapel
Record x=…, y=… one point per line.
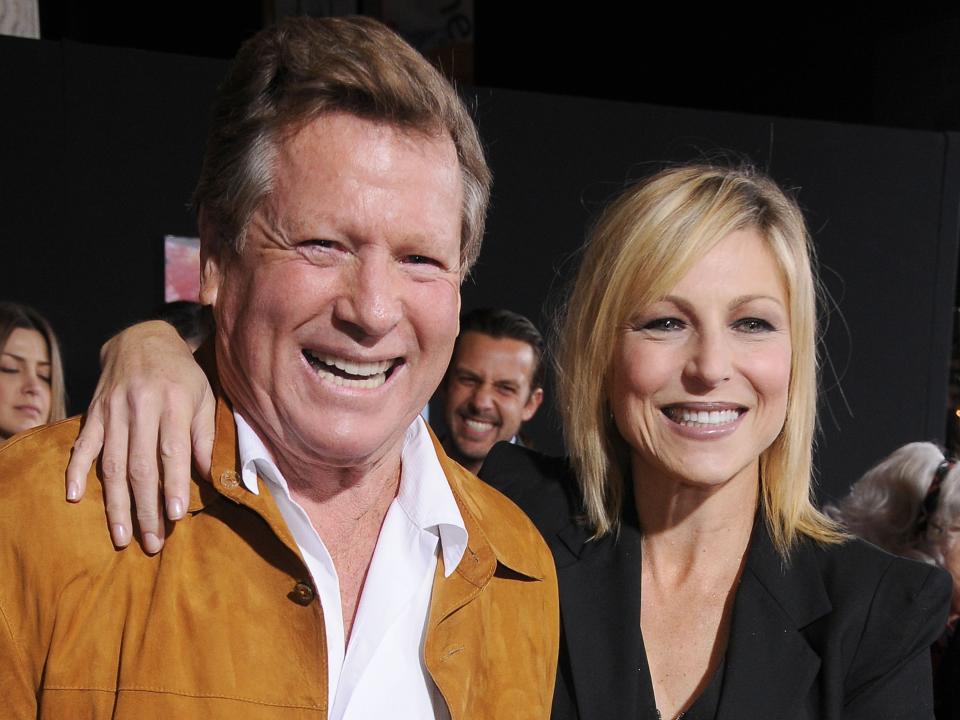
x=769, y=665
x=600, y=611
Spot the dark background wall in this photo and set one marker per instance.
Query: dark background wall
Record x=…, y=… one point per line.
x=101, y=146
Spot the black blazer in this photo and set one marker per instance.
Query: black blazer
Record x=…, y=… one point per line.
x=840, y=632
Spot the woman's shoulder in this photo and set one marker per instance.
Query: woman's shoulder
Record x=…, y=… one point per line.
x=543, y=486
x=857, y=566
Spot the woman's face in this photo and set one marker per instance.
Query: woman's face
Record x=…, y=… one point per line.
x=24, y=382
x=700, y=379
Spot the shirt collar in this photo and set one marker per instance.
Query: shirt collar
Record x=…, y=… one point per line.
x=424, y=493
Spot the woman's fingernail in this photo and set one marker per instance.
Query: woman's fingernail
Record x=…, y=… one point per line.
x=121, y=537
x=175, y=509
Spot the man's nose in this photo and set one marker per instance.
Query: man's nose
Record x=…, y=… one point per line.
x=711, y=361
x=371, y=300
x=482, y=397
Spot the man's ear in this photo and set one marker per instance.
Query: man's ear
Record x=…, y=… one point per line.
x=210, y=260
x=532, y=404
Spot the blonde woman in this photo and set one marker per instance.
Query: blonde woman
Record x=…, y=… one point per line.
x=697, y=579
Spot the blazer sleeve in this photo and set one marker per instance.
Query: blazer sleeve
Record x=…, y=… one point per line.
x=890, y=676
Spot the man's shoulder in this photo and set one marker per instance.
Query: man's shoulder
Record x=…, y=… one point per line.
x=33, y=465
x=544, y=487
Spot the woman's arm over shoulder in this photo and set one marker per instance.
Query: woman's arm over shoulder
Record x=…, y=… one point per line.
x=890, y=675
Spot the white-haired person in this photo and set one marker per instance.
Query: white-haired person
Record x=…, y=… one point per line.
x=696, y=577
x=909, y=505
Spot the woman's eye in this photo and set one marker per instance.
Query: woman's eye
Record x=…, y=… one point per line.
x=753, y=325
x=9, y=370
x=664, y=324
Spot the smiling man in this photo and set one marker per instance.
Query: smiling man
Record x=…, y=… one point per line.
x=494, y=383
x=333, y=563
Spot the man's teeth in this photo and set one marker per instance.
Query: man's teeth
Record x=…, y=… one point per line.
x=477, y=425
x=364, y=375
x=702, y=417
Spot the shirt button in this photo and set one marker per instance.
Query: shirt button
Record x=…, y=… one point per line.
x=302, y=593
x=229, y=479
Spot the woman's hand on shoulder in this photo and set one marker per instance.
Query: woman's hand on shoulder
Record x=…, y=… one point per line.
x=152, y=405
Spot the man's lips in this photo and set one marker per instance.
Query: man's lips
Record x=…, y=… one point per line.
x=351, y=373
x=479, y=425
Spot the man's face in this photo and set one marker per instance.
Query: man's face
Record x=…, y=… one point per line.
x=488, y=395
x=337, y=320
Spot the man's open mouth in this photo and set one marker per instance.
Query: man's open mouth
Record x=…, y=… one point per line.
x=349, y=373
x=477, y=425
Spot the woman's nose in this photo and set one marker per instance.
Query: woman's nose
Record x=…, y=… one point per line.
x=710, y=362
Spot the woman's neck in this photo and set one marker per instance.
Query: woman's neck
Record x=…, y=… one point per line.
x=694, y=528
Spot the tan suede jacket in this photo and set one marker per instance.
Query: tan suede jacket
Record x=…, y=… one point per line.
x=224, y=623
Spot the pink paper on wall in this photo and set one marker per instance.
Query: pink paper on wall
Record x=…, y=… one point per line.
x=181, y=271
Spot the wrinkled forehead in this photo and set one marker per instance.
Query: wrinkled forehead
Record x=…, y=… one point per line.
x=343, y=167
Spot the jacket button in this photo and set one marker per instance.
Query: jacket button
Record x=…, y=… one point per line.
x=229, y=479
x=302, y=593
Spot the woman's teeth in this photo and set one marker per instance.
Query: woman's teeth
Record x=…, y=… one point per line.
x=702, y=417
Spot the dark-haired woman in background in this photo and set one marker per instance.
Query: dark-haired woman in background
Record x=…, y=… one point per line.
x=697, y=579
x=31, y=372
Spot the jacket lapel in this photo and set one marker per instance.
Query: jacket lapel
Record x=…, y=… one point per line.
x=600, y=610
x=769, y=664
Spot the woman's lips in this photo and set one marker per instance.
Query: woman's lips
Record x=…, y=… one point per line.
x=704, y=420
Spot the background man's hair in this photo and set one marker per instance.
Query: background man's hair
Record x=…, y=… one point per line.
x=499, y=323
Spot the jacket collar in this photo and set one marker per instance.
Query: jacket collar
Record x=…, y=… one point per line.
x=769, y=665
x=485, y=550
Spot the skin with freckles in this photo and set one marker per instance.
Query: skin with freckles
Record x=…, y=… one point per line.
x=720, y=342
x=24, y=382
x=355, y=256
x=487, y=395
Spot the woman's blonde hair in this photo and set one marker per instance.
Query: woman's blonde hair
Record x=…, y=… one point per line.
x=641, y=247
x=13, y=316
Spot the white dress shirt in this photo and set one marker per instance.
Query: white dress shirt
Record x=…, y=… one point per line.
x=381, y=673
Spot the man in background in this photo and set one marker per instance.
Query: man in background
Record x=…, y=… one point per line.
x=493, y=385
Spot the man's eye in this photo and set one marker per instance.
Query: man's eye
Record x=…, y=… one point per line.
x=318, y=244
x=420, y=260
x=753, y=325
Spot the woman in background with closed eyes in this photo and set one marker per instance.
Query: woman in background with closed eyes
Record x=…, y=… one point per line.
x=31, y=373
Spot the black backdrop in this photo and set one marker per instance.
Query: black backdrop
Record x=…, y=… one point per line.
x=99, y=148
